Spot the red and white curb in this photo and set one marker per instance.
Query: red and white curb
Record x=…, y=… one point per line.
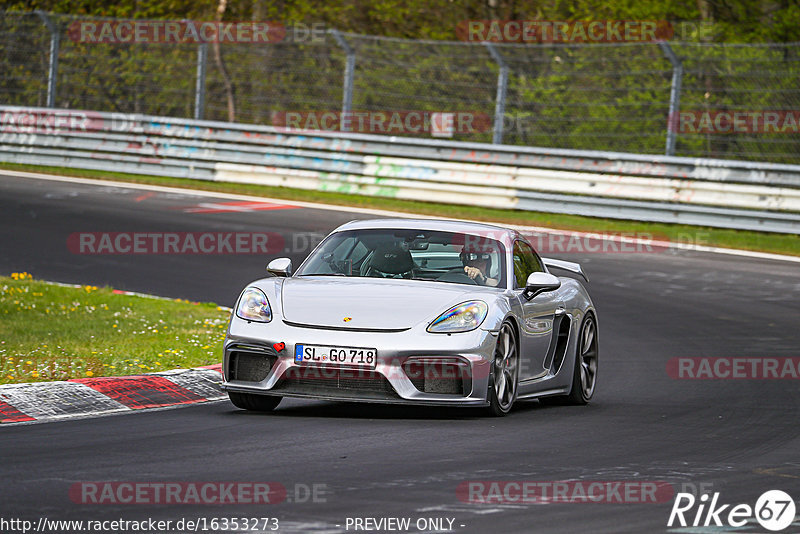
x=91, y=397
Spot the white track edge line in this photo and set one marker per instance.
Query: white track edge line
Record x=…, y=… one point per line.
x=370, y=211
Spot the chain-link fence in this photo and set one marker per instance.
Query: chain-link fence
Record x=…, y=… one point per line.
x=615, y=97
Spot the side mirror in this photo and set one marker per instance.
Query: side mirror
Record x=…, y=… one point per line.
x=280, y=267
x=540, y=283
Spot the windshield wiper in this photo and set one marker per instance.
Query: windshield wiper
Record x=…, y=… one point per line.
x=322, y=274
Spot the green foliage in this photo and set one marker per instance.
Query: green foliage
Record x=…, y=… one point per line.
x=604, y=97
x=738, y=20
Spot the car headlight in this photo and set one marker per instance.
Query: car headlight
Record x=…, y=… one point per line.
x=460, y=318
x=254, y=306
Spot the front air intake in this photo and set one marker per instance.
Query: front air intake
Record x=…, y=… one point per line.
x=438, y=376
x=250, y=364
x=337, y=383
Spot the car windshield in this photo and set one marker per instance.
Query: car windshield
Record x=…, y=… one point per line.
x=409, y=254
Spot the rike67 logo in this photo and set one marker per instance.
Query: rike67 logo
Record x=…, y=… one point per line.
x=774, y=511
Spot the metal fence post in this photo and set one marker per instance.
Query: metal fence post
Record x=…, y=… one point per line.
x=500, y=101
x=674, y=97
x=200, y=86
x=52, y=73
x=349, y=73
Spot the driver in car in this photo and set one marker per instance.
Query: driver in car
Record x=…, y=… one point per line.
x=477, y=265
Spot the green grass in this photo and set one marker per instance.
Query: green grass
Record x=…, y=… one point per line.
x=52, y=332
x=693, y=235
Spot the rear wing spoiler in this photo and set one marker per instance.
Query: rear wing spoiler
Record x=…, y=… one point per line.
x=569, y=266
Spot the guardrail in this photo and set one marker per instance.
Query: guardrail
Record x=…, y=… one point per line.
x=719, y=193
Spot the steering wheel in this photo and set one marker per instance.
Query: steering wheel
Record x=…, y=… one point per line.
x=457, y=277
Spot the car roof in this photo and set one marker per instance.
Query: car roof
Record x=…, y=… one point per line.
x=443, y=225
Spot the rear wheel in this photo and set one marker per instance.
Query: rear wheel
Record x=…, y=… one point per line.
x=584, y=375
x=256, y=403
x=504, y=378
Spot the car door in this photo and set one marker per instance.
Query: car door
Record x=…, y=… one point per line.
x=538, y=314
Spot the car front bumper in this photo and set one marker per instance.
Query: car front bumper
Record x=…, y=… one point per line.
x=413, y=366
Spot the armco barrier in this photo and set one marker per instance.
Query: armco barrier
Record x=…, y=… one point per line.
x=720, y=193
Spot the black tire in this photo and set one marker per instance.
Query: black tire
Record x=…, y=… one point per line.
x=256, y=403
x=585, y=368
x=506, y=362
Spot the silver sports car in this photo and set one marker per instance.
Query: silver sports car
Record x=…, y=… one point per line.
x=414, y=312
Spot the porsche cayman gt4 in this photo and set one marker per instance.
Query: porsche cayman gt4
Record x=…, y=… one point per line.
x=415, y=312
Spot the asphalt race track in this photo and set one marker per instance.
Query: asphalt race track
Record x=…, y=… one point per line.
x=736, y=437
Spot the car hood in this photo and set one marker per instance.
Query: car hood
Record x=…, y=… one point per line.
x=370, y=304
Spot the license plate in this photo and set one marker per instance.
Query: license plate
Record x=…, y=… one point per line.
x=335, y=356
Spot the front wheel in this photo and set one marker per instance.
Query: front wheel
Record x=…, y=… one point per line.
x=256, y=403
x=504, y=378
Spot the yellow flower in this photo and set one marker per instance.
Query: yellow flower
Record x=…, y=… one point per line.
x=89, y=373
x=29, y=362
x=113, y=326
x=35, y=374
